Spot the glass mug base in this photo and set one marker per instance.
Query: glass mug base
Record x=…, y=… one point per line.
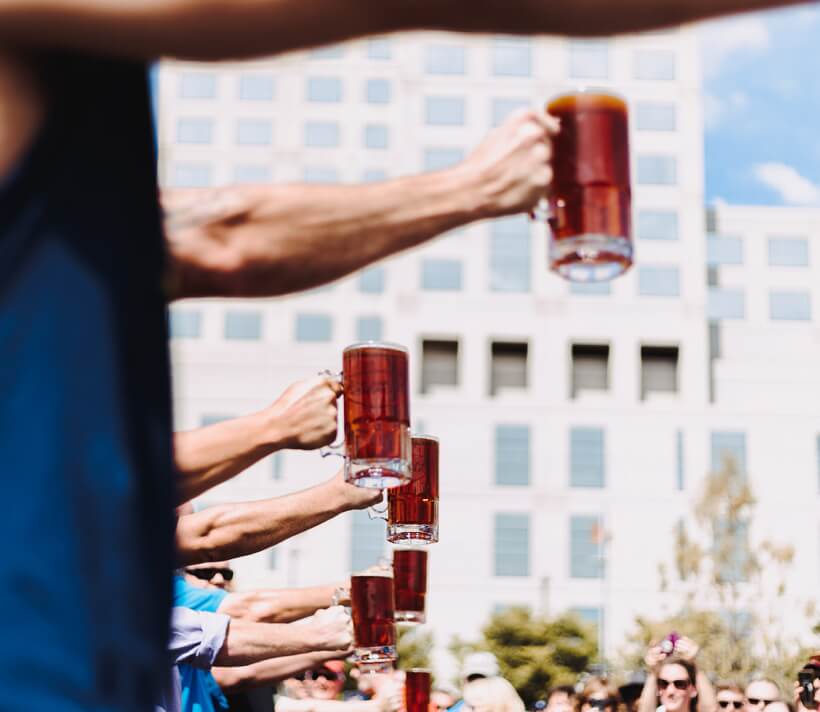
x=378, y=659
x=377, y=474
x=590, y=257
x=410, y=617
x=412, y=534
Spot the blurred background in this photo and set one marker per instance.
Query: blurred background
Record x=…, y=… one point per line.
x=618, y=460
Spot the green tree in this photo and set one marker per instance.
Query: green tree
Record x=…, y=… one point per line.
x=731, y=591
x=534, y=652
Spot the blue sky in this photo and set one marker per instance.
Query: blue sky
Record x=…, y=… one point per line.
x=761, y=80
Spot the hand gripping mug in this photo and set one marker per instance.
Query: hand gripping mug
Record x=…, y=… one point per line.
x=376, y=396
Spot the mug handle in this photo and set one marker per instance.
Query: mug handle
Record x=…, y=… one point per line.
x=375, y=512
x=333, y=449
x=541, y=212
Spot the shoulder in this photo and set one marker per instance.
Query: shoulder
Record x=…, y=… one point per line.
x=198, y=599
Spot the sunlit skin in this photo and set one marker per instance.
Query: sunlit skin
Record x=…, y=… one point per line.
x=673, y=699
x=730, y=701
x=325, y=684
x=760, y=693
x=441, y=700
x=559, y=702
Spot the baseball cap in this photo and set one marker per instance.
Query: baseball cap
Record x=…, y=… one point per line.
x=483, y=664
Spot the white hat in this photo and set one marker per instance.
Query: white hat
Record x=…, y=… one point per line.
x=484, y=664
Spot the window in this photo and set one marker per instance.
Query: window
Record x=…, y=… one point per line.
x=371, y=280
x=790, y=306
x=277, y=462
x=197, y=85
x=256, y=87
x=680, y=470
x=195, y=131
x=586, y=542
x=254, y=132
x=366, y=541
x=510, y=255
x=725, y=303
x=376, y=136
x=590, y=288
x=731, y=544
x=374, y=175
x=314, y=327
x=321, y=134
x=445, y=59
x=657, y=225
x=512, y=545
x=320, y=174
x=658, y=281
x=191, y=175
x=441, y=275
x=437, y=159
x=659, y=370
x=243, y=325
x=512, y=455
x=657, y=64
x=500, y=109
x=214, y=418
x=655, y=116
x=184, y=324
x=586, y=458
x=334, y=52
x=272, y=559
x=378, y=91
x=252, y=173
x=369, y=328
x=590, y=368
x=723, y=250
x=439, y=364
x=657, y=170
x=378, y=48
x=788, y=252
x=508, y=368
x=588, y=59
x=444, y=111
x=512, y=57
x=324, y=89
x=728, y=447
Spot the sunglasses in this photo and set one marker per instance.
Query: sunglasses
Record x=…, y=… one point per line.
x=755, y=701
x=207, y=574
x=679, y=684
x=326, y=674
x=737, y=704
x=600, y=704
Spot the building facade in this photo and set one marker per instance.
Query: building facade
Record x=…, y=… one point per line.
x=577, y=423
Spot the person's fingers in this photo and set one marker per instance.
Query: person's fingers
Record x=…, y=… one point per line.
x=335, y=386
x=548, y=122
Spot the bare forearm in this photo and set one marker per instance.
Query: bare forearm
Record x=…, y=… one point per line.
x=228, y=532
x=209, y=456
x=267, y=672
x=277, y=606
x=707, y=699
x=222, y=29
x=649, y=695
x=250, y=642
x=266, y=241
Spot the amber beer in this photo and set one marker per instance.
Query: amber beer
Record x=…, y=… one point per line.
x=374, y=627
x=410, y=584
x=417, y=690
x=376, y=415
x=412, y=510
x=590, y=195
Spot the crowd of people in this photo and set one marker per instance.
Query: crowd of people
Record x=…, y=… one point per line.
x=90, y=257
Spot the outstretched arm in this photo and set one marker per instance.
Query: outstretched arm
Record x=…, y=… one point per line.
x=267, y=672
x=269, y=240
x=230, y=531
x=304, y=417
x=223, y=29
x=279, y=605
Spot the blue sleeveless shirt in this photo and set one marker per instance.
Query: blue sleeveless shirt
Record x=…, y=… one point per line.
x=85, y=424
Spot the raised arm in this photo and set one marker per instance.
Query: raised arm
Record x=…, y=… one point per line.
x=279, y=605
x=234, y=530
x=223, y=29
x=271, y=240
x=302, y=418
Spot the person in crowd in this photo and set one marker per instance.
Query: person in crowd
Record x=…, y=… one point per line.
x=779, y=706
x=630, y=691
x=813, y=665
x=673, y=681
x=729, y=697
x=214, y=575
x=326, y=681
x=599, y=695
x=81, y=234
x=387, y=696
x=479, y=665
x=760, y=692
x=491, y=694
x=443, y=697
x=562, y=698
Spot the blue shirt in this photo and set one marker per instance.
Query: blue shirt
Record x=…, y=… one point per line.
x=200, y=692
x=85, y=412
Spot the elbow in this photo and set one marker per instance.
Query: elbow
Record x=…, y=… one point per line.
x=233, y=679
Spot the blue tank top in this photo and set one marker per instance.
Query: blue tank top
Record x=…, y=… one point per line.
x=85, y=422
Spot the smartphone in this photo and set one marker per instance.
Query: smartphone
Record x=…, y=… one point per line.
x=806, y=678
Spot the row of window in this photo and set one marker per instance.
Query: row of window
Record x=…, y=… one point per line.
x=511, y=57
x=725, y=303
x=782, y=250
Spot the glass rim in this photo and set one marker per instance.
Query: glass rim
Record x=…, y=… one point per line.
x=589, y=89
x=387, y=573
x=423, y=436
x=376, y=345
x=407, y=547
x=429, y=671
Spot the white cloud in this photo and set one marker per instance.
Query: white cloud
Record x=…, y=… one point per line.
x=717, y=109
x=784, y=180
x=724, y=38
